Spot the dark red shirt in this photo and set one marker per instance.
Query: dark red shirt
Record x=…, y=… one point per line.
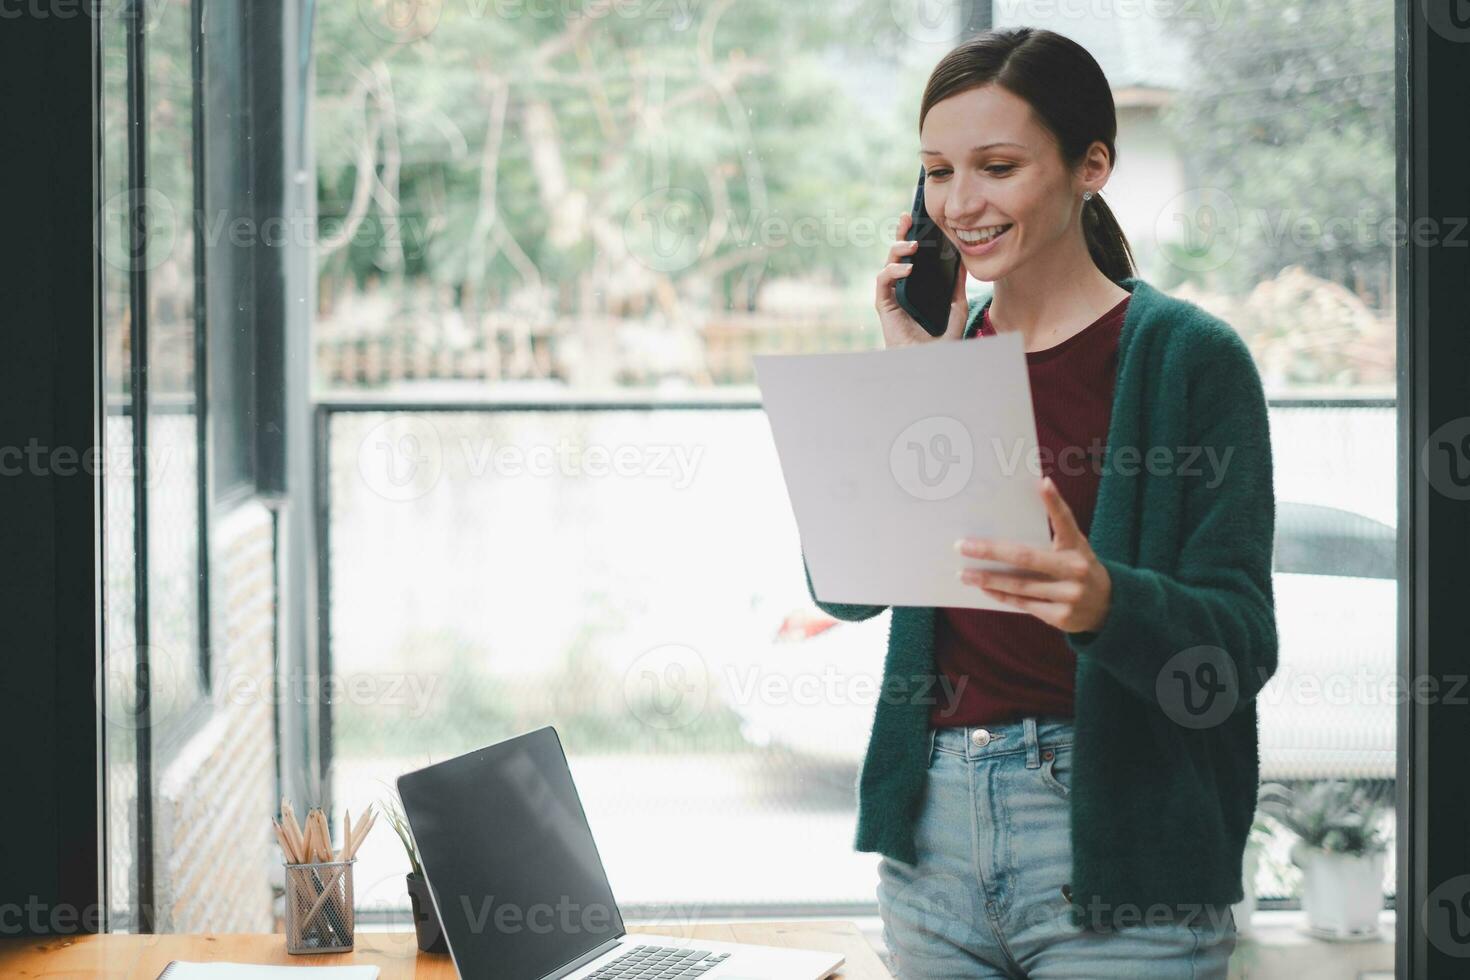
x=1015, y=664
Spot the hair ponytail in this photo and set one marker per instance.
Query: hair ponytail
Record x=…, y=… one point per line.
x=1070, y=96
x=1106, y=242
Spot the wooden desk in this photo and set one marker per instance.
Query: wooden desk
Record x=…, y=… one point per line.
x=396, y=954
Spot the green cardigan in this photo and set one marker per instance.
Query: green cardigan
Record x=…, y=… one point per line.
x=1165, y=760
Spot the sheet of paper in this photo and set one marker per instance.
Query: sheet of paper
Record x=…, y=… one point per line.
x=185, y=970
x=890, y=455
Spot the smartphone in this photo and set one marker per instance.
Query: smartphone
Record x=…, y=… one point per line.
x=925, y=293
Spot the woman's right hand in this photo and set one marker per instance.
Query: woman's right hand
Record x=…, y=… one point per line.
x=900, y=329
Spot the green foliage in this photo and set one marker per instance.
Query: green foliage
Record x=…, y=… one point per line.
x=1290, y=111
x=1260, y=832
x=585, y=116
x=1336, y=815
x=392, y=808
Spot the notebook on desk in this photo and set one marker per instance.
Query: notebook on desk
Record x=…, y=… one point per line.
x=184, y=970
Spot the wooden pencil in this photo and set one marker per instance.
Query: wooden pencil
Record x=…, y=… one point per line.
x=362, y=833
x=285, y=844
x=293, y=831
x=346, y=835
x=314, y=834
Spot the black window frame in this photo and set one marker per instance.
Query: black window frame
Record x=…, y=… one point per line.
x=1432, y=285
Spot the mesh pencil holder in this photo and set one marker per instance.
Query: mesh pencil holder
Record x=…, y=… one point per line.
x=319, y=916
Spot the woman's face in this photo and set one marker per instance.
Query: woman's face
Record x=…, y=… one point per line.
x=990, y=167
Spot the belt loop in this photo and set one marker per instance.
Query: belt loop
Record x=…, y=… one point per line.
x=929, y=760
x=1033, y=747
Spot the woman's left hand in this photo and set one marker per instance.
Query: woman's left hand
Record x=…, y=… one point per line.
x=1065, y=586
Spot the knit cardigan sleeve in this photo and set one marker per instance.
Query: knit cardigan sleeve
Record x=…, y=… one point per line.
x=850, y=611
x=1219, y=593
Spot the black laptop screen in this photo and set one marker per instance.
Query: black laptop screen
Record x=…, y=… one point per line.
x=511, y=860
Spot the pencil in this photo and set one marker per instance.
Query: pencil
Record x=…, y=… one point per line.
x=309, y=827
x=323, y=835
x=308, y=837
x=293, y=831
x=362, y=833
x=285, y=844
x=363, y=823
x=314, y=835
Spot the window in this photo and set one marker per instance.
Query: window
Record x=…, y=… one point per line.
x=552, y=240
x=189, y=565
x=157, y=624
x=496, y=279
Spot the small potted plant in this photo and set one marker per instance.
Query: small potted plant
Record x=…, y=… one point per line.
x=425, y=922
x=1340, y=850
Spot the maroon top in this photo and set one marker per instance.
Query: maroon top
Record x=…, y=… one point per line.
x=1016, y=664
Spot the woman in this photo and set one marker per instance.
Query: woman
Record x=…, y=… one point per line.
x=1081, y=808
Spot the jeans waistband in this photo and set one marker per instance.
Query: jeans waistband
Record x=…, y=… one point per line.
x=1030, y=735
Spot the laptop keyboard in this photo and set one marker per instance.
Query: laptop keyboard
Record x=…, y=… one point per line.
x=659, y=963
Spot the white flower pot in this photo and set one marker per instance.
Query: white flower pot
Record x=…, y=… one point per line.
x=1246, y=907
x=1342, y=893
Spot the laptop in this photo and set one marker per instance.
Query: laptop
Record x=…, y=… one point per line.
x=519, y=886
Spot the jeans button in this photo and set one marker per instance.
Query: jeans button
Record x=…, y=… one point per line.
x=980, y=737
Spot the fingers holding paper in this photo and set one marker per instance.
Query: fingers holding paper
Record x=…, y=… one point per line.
x=1065, y=586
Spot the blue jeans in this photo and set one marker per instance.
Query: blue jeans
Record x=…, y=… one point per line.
x=994, y=847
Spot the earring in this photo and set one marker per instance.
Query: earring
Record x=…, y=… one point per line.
x=1087, y=195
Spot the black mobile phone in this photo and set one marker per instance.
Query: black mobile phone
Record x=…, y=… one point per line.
x=925, y=292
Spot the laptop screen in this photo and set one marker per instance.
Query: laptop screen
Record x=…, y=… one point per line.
x=503, y=839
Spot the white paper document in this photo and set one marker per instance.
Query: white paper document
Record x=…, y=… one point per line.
x=890, y=455
x=185, y=970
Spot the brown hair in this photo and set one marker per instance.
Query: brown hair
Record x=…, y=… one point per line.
x=1067, y=90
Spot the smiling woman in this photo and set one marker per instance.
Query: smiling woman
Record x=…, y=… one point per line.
x=1135, y=644
x=1035, y=184
x=1017, y=146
